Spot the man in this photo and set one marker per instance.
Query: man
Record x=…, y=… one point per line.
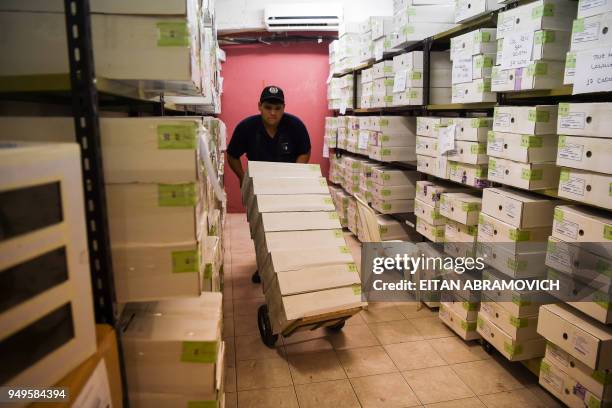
x=273, y=136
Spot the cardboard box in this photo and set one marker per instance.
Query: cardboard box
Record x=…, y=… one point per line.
x=425, y=13
x=581, y=337
x=464, y=329
x=472, y=129
x=529, y=120
x=460, y=233
x=436, y=166
x=465, y=310
x=382, y=69
x=156, y=271
x=428, y=213
x=159, y=400
x=517, y=328
x=460, y=207
x=406, y=191
x=586, y=187
x=393, y=206
x=539, y=15
x=429, y=192
x=433, y=233
x=459, y=249
x=414, y=96
x=296, y=221
x=588, y=33
x=317, y=278
x=382, y=86
x=596, y=381
x=427, y=146
x=509, y=238
x=392, y=229
x=540, y=75
x=188, y=350
x=549, y=45
x=518, y=208
x=522, y=148
x=518, y=303
x=381, y=101
x=568, y=390
x=208, y=303
x=511, y=349
x=273, y=169
x=367, y=75
x=58, y=305
x=584, y=119
x=439, y=78
x=393, y=125
x=470, y=9
x=570, y=68
x=474, y=175
x=476, y=91
x=518, y=265
x=428, y=126
x=589, y=228
x=469, y=152
x=408, y=61
x=481, y=41
x=391, y=140
x=284, y=185
x=585, y=153
x=482, y=65
x=503, y=80
x=412, y=32
x=381, y=26
x=391, y=154
x=528, y=176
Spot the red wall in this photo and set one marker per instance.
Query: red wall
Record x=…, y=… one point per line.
x=300, y=69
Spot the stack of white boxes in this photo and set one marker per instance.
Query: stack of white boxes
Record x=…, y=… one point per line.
x=352, y=134
x=429, y=159
x=473, y=55
x=347, y=90
x=470, y=9
x=382, y=27
x=341, y=203
x=367, y=88
x=301, y=221
x=584, y=152
x=393, y=190
x=532, y=42
x=408, y=79
x=352, y=173
x=343, y=132
x=461, y=211
x=467, y=161
x=334, y=93
x=382, y=84
x=576, y=367
x=590, y=46
x=348, y=52
x=392, y=139
x=331, y=131
x=416, y=20
x=366, y=185
x=523, y=147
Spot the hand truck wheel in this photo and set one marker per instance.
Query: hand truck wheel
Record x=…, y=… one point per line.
x=265, y=328
x=338, y=326
x=488, y=347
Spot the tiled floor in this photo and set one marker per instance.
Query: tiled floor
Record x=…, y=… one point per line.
x=390, y=356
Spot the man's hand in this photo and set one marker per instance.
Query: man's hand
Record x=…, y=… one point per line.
x=303, y=158
x=236, y=166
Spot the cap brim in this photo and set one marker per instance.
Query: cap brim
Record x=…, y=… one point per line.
x=272, y=99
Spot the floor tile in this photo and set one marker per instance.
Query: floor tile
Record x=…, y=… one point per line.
x=315, y=367
x=247, y=307
x=328, y=394
x=355, y=319
x=310, y=341
x=244, y=325
x=353, y=336
x=472, y=402
x=455, y=350
x=384, y=391
x=381, y=313
x=431, y=327
x=283, y=397
x=414, y=355
x=517, y=398
x=436, y=384
x=228, y=327
x=395, y=332
x=230, y=379
x=251, y=347
x=268, y=373
x=250, y=291
x=359, y=362
x=228, y=308
x=497, y=378
x=231, y=400
x=409, y=310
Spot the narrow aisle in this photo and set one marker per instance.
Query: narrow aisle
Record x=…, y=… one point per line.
x=388, y=356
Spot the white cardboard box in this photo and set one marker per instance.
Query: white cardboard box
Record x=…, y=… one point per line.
x=518, y=328
x=433, y=233
x=467, y=311
x=528, y=176
x=391, y=140
x=530, y=120
x=387, y=176
x=585, y=153
x=429, y=192
x=587, y=8
x=470, y=9
x=479, y=90
x=541, y=14
x=472, y=129
x=408, y=61
x=586, y=187
x=427, y=146
x=391, y=154
x=464, y=329
x=549, y=45
x=456, y=232
x=481, y=41
x=589, y=228
x=382, y=69
x=429, y=126
x=392, y=229
x=461, y=207
x=474, y=175
x=511, y=349
x=585, y=119
x=522, y=148
x=517, y=265
x=393, y=206
x=316, y=278
x=401, y=192
x=393, y=125
x=294, y=240
x=570, y=68
x=469, y=152
x=425, y=14
x=436, y=166
x=508, y=238
x=581, y=337
x=590, y=32
x=518, y=208
x=428, y=213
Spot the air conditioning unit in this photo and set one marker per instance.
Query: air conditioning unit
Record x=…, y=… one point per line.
x=303, y=17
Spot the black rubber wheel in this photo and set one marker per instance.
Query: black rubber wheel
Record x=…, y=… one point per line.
x=256, y=278
x=265, y=328
x=338, y=326
x=487, y=346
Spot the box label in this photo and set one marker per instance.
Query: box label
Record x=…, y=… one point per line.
x=572, y=185
x=494, y=144
x=502, y=119
x=176, y=136
x=531, y=174
x=516, y=50
x=574, y=120
x=172, y=34
x=185, y=261
x=570, y=151
x=531, y=141
x=582, y=32
x=176, y=195
x=462, y=70
x=586, y=5
x=566, y=228
x=593, y=71
x=199, y=352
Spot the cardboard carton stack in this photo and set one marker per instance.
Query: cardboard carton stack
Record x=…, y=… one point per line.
x=393, y=190
x=331, y=131
x=408, y=79
x=429, y=158
x=341, y=203
x=382, y=84
x=429, y=272
x=323, y=278
x=584, y=152
x=366, y=184
x=469, y=9
x=416, y=20
x=473, y=57
x=367, y=88
x=334, y=93
x=589, y=49
x=461, y=211
x=462, y=142
x=577, y=363
x=382, y=27
x=391, y=138
x=523, y=146
x=336, y=170
x=579, y=255
x=532, y=42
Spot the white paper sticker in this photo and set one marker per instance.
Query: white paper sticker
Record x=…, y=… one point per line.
x=590, y=33
x=462, y=70
x=96, y=392
x=586, y=5
x=581, y=344
x=572, y=152
x=447, y=139
x=506, y=25
x=399, y=81
x=486, y=308
x=559, y=255
x=496, y=145
x=501, y=77
x=364, y=137
x=342, y=107
x=498, y=171
x=325, y=148
x=487, y=228
x=516, y=50
x=567, y=228
x=574, y=120
x=502, y=119
x=573, y=185
x=511, y=210
x=593, y=71
x=553, y=380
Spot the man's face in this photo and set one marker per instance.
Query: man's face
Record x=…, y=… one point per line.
x=271, y=112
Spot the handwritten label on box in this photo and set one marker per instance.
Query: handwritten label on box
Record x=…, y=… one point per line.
x=593, y=71
x=516, y=50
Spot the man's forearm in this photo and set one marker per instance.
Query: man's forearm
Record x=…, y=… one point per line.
x=236, y=166
x=303, y=158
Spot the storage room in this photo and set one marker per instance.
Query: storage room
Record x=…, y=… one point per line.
x=305, y=204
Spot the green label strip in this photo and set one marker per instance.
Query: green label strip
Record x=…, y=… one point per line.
x=173, y=34
x=176, y=136
x=185, y=261
x=199, y=352
x=176, y=195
